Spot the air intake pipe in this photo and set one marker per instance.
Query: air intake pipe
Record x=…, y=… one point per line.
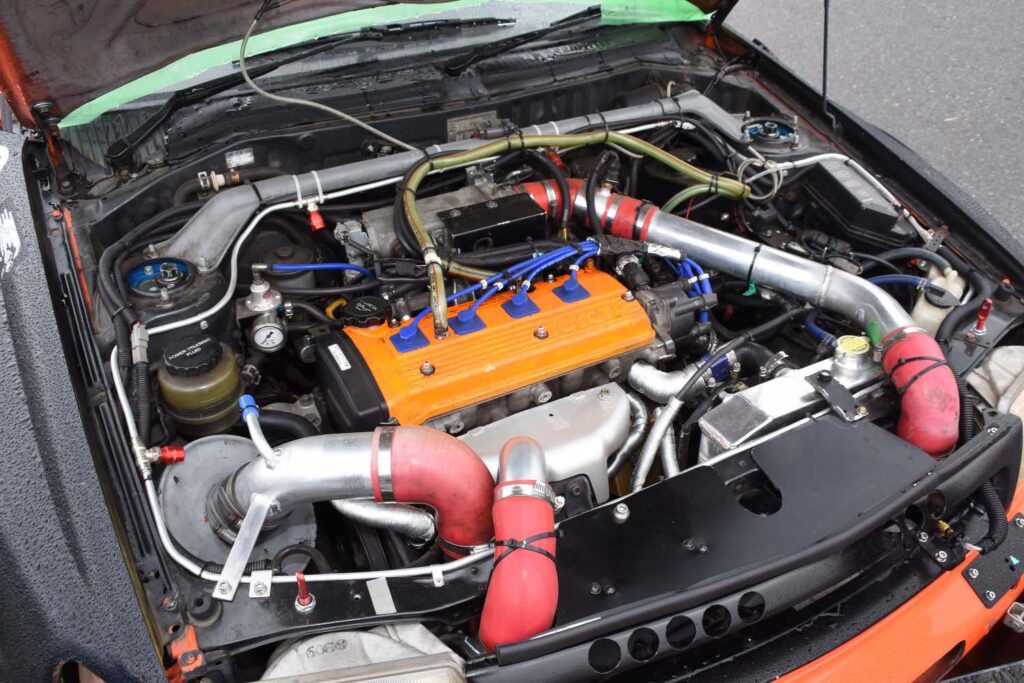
x=523, y=592
x=403, y=464
x=913, y=360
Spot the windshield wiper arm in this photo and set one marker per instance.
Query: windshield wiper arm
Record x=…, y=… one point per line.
x=456, y=65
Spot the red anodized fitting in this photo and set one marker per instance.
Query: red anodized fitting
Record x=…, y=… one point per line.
x=983, y=312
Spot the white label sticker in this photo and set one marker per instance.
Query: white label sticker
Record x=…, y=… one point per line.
x=239, y=157
x=339, y=357
x=10, y=243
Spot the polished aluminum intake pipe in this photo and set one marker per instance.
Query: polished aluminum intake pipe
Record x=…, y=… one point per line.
x=402, y=519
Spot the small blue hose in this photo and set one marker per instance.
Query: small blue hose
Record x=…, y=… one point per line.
x=811, y=325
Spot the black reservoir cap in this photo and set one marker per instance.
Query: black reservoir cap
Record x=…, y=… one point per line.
x=365, y=311
x=192, y=355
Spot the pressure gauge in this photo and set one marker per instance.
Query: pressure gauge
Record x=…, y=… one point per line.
x=268, y=333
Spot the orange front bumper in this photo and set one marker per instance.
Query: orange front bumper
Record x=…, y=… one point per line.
x=910, y=641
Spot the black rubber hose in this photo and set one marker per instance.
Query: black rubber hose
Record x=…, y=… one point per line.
x=997, y=524
x=123, y=340
x=507, y=255
x=308, y=551
x=903, y=253
x=312, y=311
x=762, y=331
x=283, y=423
x=343, y=290
x=982, y=287
x=538, y=159
x=968, y=425
x=141, y=401
x=603, y=161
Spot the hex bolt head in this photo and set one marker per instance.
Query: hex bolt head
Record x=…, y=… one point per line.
x=223, y=587
x=923, y=537
x=973, y=573
x=259, y=588
x=595, y=588
x=992, y=430
x=559, y=503
x=689, y=544
x=703, y=548
x=824, y=376
x=990, y=595
x=540, y=333
x=427, y=368
x=862, y=410
x=941, y=556
x=1019, y=522
x=628, y=296
x=610, y=590
x=621, y=513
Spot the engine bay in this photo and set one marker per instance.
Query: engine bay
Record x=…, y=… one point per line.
x=414, y=408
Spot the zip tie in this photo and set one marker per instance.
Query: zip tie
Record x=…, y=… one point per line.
x=319, y=187
x=298, y=191
x=430, y=257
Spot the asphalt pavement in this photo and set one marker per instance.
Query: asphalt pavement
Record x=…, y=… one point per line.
x=944, y=76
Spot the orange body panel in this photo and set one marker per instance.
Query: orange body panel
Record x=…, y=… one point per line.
x=506, y=355
x=910, y=640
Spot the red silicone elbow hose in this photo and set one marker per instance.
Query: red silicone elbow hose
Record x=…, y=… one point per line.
x=929, y=398
x=523, y=591
x=422, y=465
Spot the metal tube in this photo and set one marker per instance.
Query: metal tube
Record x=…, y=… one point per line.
x=669, y=461
x=818, y=284
x=404, y=519
x=638, y=425
x=309, y=470
x=658, y=385
x=230, y=209
x=522, y=459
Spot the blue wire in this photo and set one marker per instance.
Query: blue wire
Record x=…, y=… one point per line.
x=538, y=263
x=911, y=280
x=702, y=286
x=296, y=267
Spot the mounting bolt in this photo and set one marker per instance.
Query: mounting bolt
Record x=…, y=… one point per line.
x=990, y=595
x=992, y=430
x=973, y=573
x=259, y=588
x=540, y=333
x=595, y=588
x=621, y=513
x=427, y=368
x=824, y=376
x=941, y=556
x=169, y=603
x=703, y=548
x=604, y=395
x=224, y=587
x=610, y=590
x=689, y=544
x=923, y=537
x=628, y=296
x=862, y=410
x=559, y=503
x=1019, y=522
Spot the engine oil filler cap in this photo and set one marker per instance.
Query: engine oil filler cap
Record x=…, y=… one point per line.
x=193, y=355
x=365, y=311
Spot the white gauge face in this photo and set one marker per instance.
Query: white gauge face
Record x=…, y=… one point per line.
x=268, y=337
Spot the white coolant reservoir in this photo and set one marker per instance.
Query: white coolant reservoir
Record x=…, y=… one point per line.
x=926, y=314
x=999, y=380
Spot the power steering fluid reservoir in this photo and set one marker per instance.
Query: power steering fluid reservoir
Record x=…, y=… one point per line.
x=200, y=384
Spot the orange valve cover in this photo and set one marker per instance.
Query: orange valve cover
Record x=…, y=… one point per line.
x=508, y=353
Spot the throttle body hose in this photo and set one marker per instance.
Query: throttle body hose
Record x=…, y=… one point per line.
x=523, y=592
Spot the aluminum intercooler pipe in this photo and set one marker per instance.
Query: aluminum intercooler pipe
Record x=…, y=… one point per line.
x=402, y=464
x=929, y=398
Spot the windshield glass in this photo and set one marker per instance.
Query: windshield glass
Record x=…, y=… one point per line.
x=525, y=16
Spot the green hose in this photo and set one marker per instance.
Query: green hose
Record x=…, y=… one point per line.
x=683, y=195
x=707, y=183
